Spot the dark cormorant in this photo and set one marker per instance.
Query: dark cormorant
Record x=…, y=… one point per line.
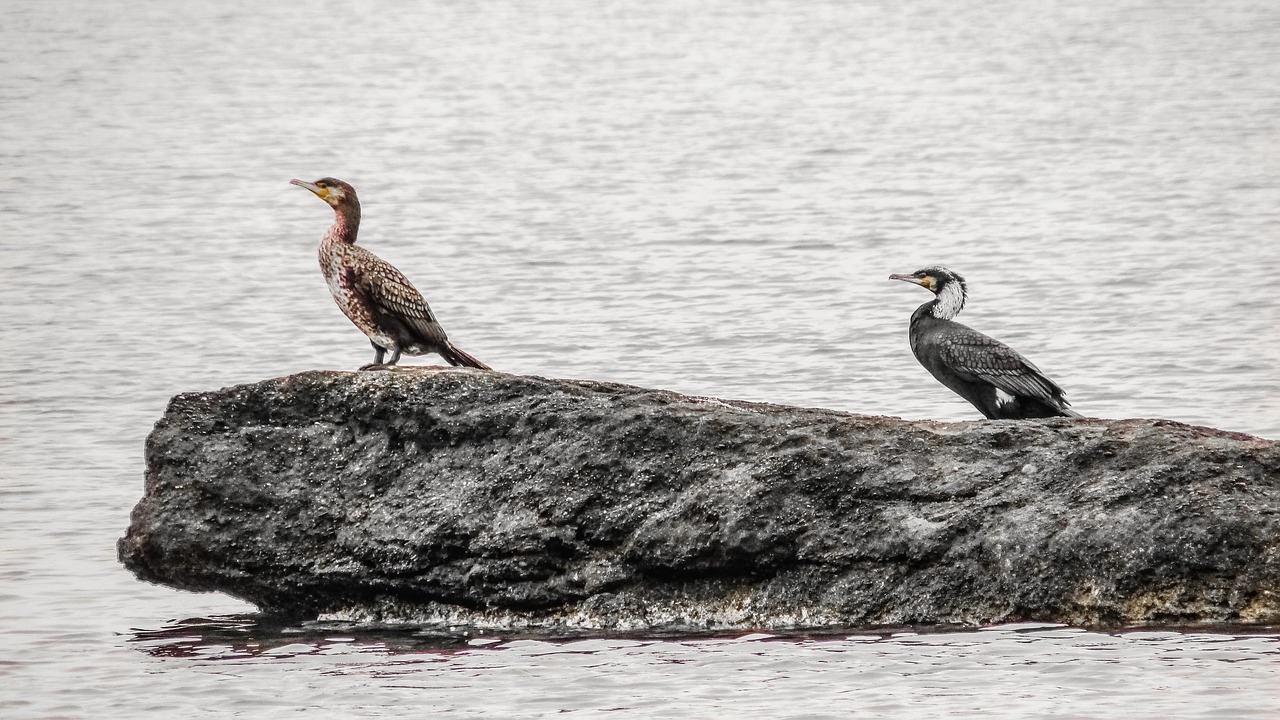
x=371, y=292
x=993, y=376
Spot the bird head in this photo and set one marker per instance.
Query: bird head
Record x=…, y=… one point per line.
x=331, y=190
x=947, y=285
x=934, y=278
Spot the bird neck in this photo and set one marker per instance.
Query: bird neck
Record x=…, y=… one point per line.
x=346, y=223
x=949, y=302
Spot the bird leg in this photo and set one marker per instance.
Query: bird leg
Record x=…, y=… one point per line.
x=377, y=363
x=378, y=352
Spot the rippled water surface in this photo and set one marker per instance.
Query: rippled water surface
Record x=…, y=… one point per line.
x=706, y=197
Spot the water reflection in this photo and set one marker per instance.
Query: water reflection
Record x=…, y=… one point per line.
x=1008, y=671
x=236, y=637
x=233, y=637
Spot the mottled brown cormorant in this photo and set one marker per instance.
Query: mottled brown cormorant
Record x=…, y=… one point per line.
x=371, y=292
x=993, y=376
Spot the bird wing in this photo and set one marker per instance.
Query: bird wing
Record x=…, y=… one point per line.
x=392, y=298
x=971, y=353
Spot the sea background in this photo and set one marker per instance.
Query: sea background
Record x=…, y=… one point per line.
x=706, y=197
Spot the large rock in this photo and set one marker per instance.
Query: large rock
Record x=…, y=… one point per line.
x=485, y=499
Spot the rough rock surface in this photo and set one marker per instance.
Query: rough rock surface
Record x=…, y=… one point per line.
x=456, y=496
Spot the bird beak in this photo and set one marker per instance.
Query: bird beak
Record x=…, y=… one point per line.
x=922, y=282
x=319, y=191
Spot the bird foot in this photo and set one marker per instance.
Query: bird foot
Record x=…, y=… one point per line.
x=376, y=366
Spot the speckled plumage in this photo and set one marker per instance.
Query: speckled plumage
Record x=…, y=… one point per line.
x=372, y=293
x=992, y=376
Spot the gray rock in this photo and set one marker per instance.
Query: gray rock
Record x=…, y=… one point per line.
x=496, y=501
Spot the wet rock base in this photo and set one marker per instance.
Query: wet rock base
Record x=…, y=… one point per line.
x=467, y=498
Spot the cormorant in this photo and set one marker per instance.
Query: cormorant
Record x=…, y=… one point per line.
x=989, y=374
x=371, y=292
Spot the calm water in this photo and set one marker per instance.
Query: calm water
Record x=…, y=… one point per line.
x=706, y=197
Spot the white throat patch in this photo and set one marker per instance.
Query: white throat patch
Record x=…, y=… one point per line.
x=950, y=300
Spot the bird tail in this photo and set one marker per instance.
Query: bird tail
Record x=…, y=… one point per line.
x=454, y=356
x=1068, y=412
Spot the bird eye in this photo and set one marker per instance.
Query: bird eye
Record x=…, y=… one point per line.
x=320, y=183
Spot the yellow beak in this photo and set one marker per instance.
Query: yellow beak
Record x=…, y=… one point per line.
x=320, y=192
x=925, y=282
